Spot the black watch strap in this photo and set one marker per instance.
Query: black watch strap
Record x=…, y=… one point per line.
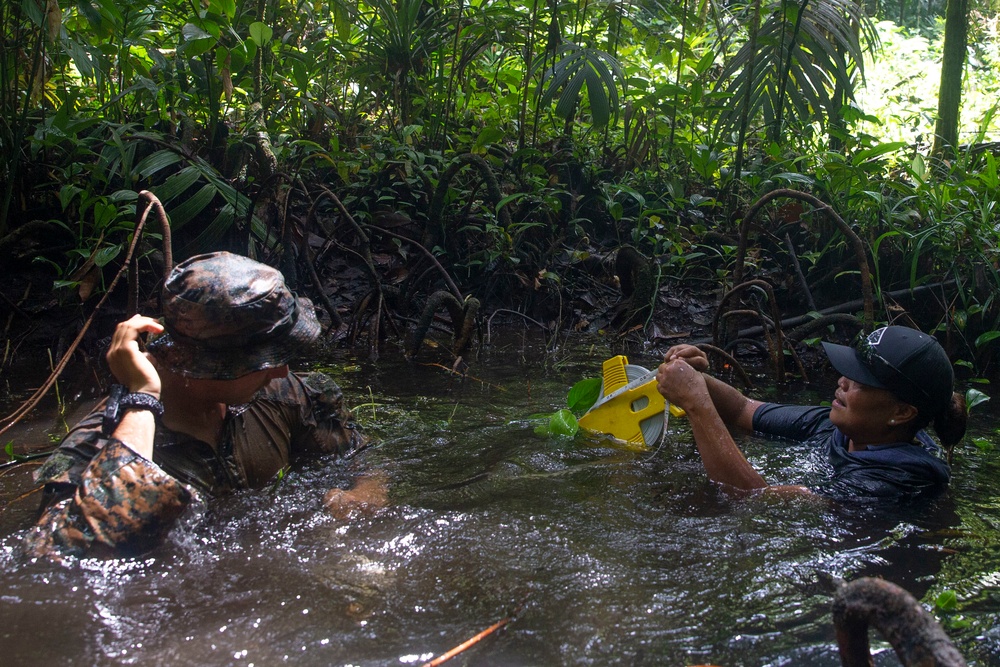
x=140, y=401
x=119, y=400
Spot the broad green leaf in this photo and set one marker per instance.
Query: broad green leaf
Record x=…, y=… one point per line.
x=67, y=194
x=342, y=21
x=974, y=397
x=176, y=184
x=792, y=177
x=106, y=254
x=563, y=422
x=123, y=195
x=33, y=10
x=261, y=33
x=225, y=8
x=488, y=135
x=985, y=338
x=196, y=40
x=946, y=601
x=189, y=208
x=81, y=58
x=104, y=214
x=584, y=394
x=192, y=32
x=877, y=151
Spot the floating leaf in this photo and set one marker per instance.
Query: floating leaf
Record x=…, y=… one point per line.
x=983, y=445
x=946, y=601
x=563, y=422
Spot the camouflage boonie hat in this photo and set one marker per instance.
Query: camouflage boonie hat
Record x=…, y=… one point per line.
x=226, y=316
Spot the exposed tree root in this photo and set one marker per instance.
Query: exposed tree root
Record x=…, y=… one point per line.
x=915, y=635
x=463, y=319
x=853, y=239
x=775, y=345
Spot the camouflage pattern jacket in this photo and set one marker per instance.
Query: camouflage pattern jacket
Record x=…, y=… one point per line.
x=101, y=498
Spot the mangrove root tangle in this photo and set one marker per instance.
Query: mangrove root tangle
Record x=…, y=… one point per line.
x=856, y=245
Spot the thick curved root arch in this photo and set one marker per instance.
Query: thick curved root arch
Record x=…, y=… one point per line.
x=917, y=638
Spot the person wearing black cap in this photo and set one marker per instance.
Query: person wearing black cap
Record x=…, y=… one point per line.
x=895, y=383
x=207, y=408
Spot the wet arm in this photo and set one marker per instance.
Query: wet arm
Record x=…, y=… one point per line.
x=369, y=493
x=133, y=369
x=710, y=405
x=121, y=501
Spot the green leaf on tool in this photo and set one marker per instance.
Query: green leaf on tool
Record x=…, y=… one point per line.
x=583, y=395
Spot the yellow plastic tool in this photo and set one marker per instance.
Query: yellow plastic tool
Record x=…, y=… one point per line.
x=630, y=407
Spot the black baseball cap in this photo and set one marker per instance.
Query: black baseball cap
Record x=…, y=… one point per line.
x=908, y=363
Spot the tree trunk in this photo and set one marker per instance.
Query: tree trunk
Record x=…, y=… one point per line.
x=950, y=92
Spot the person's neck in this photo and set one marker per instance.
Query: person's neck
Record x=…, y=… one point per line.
x=187, y=410
x=856, y=445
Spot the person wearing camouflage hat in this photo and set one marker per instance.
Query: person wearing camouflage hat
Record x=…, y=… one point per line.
x=209, y=407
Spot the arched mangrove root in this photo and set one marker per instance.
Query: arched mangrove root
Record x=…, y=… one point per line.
x=915, y=635
x=856, y=245
x=435, y=225
x=776, y=346
x=463, y=318
x=728, y=359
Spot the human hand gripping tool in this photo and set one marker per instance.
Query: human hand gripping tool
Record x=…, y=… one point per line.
x=630, y=408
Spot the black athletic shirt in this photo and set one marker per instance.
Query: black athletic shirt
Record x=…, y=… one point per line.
x=902, y=471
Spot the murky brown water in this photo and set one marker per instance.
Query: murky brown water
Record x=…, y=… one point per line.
x=610, y=556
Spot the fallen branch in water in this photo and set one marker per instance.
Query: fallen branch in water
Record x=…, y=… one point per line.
x=469, y=643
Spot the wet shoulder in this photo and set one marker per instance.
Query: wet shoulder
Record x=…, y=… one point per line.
x=794, y=422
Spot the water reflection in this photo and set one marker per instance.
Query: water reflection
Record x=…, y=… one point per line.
x=612, y=556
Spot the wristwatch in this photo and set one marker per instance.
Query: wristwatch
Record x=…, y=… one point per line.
x=120, y=400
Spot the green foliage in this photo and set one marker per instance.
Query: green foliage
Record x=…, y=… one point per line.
x=946, y=601
x=583, y=395
x=231, y=111
x=563, y=422
x=804, y=61
x=974, y=397
x=559, y=423
x=578, y=67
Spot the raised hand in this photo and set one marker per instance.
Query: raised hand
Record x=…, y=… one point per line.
x=130, y=365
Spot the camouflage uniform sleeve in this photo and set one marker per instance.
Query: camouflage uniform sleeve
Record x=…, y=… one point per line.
x=327, y=426
x=120, y=503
